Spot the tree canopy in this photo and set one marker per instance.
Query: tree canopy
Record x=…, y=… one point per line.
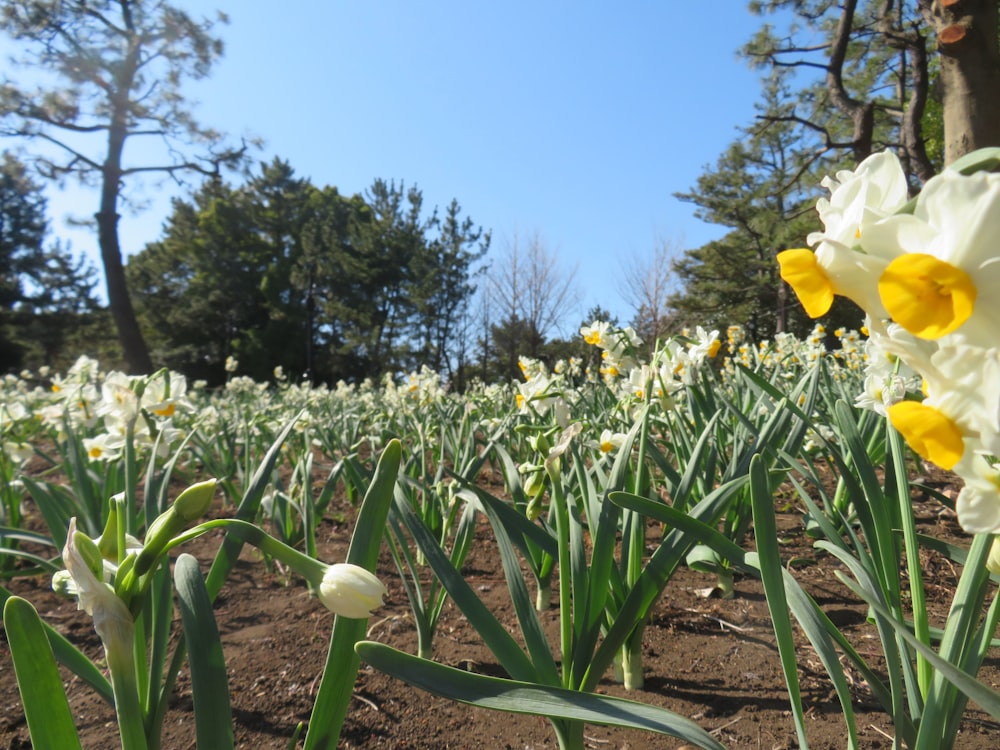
x=280, y=272
x=44, y=291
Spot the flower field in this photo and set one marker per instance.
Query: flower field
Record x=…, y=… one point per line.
x=732, y=544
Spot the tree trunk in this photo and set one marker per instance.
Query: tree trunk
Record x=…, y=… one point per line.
x=862, y=114
x=129, y=335
x=970, y=74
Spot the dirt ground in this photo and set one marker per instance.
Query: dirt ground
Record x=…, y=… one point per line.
x=709, y=659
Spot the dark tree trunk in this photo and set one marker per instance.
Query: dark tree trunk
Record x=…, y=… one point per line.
x=862, y=114
x=970, y=74
x=129, y=336
x=134, y=347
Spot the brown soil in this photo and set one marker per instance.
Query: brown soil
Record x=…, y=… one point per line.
x=708, y=659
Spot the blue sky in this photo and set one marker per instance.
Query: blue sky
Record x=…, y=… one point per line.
x=577, y=121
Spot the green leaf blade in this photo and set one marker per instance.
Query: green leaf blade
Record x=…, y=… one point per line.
x=46, y=708
x=213, y=713
x=526, y=698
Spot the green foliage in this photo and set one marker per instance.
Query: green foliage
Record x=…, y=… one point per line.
x=280, y=272
x=47, y=710
x=46, y=296
x=760, y=191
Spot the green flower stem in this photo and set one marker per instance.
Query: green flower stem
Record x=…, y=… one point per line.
x=565, y=568
x=121, y=664
x=307, y=567
x=635, y=525
x=340, y=672
x=959, y=633
x=543, y=595
x=569, y=734
x=131, y=486
x=921, y=627
x=631, y=659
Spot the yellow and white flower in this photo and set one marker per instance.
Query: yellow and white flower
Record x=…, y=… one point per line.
x=858, y=201
x=944, y=260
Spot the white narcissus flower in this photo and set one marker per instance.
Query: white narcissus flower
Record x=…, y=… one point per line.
x=104, y=447
x=18, y=452
x=350, y=590
x=960, y=416
x=969, y=378
x=881, y=392
x=705, y=345
x=118, y=400
x=165, y=394
x=596, y=333
x=565, y=438
x=945, y=266
x=639, y=379
x=957, y=427
x=610, y=441
x=978, y=504
x=858, y=200
x=833, y=270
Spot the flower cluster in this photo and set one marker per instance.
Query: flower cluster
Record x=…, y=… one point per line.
x=922, y=271
x=674, y=364
x=541, y=391
x=147, y=406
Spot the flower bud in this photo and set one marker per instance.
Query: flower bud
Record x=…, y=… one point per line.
x=350, y=591
x=993, y=561
x=534, y=509
x=540, y=442
x=89, y=553
x=189, y=506
x=534, y=484
x=63, y=584
x=195, y=501
x=107, y=543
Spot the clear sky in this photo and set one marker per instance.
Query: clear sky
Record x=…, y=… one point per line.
x=577, y=121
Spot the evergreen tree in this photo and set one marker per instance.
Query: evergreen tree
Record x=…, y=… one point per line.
x=330, y=279
x=279, y=272
x=760, y=190
x=444, y=289
x=22, y=230
x=220, y=282
x=46, y=295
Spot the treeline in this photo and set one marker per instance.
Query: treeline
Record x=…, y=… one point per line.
x=48, y=306
x=278, y=271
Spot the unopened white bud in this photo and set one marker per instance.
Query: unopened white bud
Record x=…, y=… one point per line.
x=350, y=591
